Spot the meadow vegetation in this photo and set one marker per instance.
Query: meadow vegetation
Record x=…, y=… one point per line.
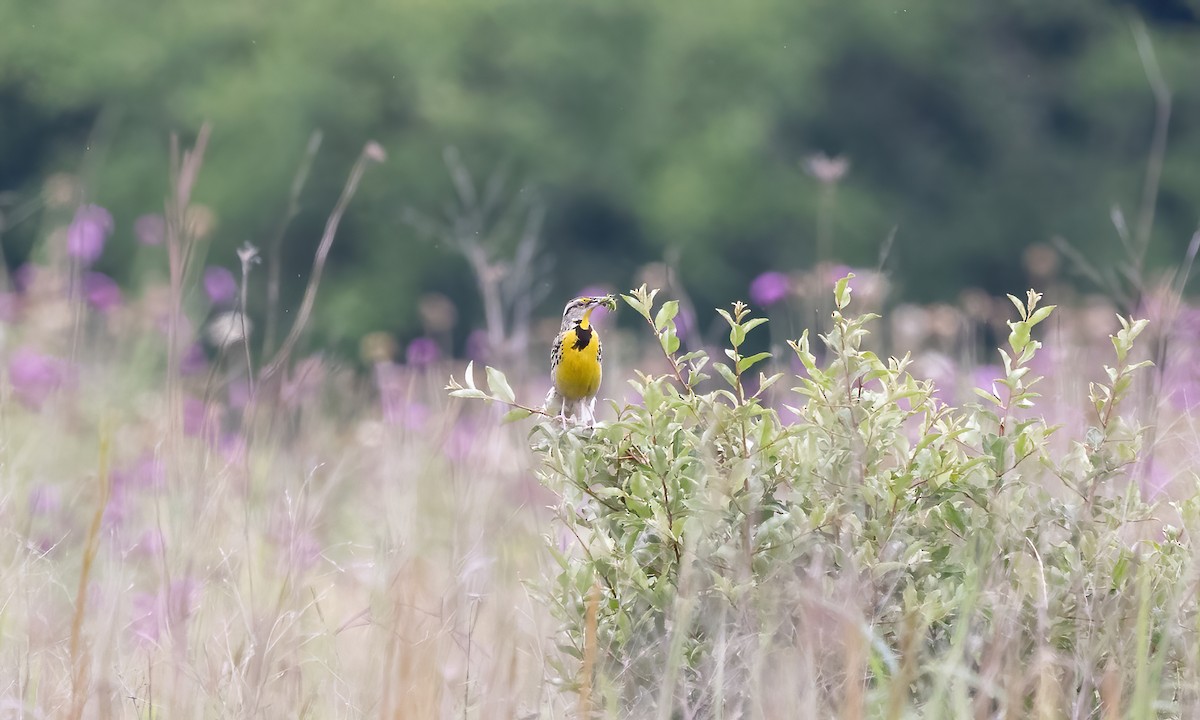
x=815, y=528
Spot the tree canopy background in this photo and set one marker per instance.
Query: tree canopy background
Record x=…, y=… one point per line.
x=974, y=129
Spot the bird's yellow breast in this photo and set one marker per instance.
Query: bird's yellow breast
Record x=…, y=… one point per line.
x=578, y=373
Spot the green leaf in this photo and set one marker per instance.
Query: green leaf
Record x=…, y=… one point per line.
x=800, y=347
x=1041, y=314
x=1019, y=305
x=515, y=414
x=841, y=292
x=470, y=393
x=637, y=305
x=669, y=341
x=1018, y=339
x=996, y=446
x=666, y=314
x=499, y=386
x=1120, y=346
x=753, y=323
x=726, y=373
x=1120, y=571
x=469, y=375
x=953, y=516
x=765, y=382
x=747, y=362
x=728, y=318
x=570, y=650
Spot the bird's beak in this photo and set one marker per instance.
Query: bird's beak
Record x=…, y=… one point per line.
x=608, y=301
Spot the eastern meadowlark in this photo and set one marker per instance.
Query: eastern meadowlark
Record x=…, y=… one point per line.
x=575, y=361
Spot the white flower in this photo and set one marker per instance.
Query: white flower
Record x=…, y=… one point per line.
x=228, y=329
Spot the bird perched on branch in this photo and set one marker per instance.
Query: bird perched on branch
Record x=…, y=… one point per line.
x=575, y=361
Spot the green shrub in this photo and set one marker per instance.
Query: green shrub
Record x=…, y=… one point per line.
x=883, y=553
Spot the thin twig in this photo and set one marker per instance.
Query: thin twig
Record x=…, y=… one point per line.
x=371, y=153
x=275, y=248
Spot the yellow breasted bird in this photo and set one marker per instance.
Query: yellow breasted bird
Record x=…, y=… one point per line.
x=575, y=361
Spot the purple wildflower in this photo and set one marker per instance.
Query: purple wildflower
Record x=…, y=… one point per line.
x=769, y=288
x=150, y=229
x=146, y=616
x=44, y=499
x=145, y=472
x=220, y=285
x=462, y=441
x=88, y=232
x=479, y=347
x=151, y=613
x=101, y=291
x=408, y=414
x=150, y=544
x=195, y=416
x=239, y=394
x=232, y=446
x=194, y=361
x=393, y=394
x=116, y=512
x=35, y=376
x=422, y=351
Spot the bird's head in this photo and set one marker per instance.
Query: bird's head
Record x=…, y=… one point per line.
x=579, y=311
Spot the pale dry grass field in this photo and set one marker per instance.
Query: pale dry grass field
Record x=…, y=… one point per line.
x=351, y=544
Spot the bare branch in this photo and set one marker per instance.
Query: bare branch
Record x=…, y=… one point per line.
x=310, y=291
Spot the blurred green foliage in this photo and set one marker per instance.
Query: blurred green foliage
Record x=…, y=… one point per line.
x=975, y=128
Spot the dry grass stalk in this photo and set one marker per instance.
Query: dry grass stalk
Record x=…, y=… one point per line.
x=854, y=669
x=1111, y=690
x=79, y=654
x=1047, y=698
x=589, y=653
x=912, y=634
x=416, y=650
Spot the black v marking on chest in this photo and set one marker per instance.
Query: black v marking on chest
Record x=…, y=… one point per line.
x=583, y=336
